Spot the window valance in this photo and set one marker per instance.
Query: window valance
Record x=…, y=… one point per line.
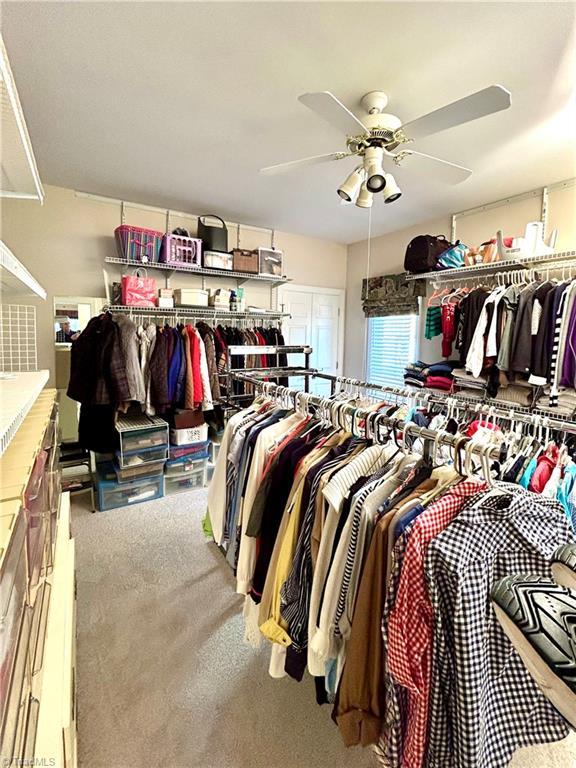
x=391, y=295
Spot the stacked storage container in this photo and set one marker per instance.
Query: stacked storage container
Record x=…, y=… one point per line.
x=187, y=465
x=135, y=473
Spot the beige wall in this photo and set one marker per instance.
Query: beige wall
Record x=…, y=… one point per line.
x=64, y=242
x=387, y=257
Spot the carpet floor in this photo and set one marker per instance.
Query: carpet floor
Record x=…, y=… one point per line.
x=164, y=678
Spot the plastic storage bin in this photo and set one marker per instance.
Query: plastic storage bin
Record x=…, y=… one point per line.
x=138, y=471
x=184, y=466
x=112, y=494
x=194, y=451
x=16, y=699
x=187, y=482
x=189, y=436
x=270, y=262
x=217, y=260
x=36, y=506
x=137, y=244
x=136, y=458
x=180, y=251
x=13, y=592
x=135, y=440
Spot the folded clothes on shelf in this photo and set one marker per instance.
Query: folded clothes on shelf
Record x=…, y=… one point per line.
x=439, y=382
x=564, y=404
x=516, y=394
x=443, y=367
x=464, y=379
x=477, y=394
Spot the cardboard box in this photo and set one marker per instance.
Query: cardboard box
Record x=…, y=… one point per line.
x=165, y=302
x=187, y=419
x=192, y=297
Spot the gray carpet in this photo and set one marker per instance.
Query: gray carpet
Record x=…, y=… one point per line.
x=164, y=678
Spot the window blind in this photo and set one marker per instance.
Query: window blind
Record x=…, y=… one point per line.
x=392, y=343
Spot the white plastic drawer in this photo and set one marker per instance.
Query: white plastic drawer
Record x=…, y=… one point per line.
x=182, y=468
x=180, y=483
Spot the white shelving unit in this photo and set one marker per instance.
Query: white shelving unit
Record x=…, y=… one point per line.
x=196, y=312
x=240, y=277
x=18, y=393
x=19, y=172
x=547, y=261
x=15, y=279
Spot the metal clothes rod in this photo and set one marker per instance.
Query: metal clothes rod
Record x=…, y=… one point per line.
x=377, y=420
x=515, y=414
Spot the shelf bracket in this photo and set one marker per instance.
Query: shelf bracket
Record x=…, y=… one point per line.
x=169, y=276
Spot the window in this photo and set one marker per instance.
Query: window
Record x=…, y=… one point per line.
x=392, y=343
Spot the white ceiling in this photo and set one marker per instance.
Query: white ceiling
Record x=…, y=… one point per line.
x=179, y=104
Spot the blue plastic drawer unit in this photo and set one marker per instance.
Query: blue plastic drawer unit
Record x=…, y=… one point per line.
x=192, y=451
x=185, y=466
x=112, y=494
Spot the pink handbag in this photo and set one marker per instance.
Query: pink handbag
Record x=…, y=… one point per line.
x=138, y=290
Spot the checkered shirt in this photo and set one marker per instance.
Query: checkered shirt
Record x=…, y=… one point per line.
x=389, y=748
x=484, y=704
x=411, y=624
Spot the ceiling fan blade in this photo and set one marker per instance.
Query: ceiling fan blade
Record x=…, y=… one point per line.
x=314, y=160
x=442, y=170
x=484, y=102
x=334, y=112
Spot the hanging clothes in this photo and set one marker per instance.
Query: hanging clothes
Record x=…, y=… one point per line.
x=371, y=568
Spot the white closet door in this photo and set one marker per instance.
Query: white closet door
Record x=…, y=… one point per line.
x=325, y=330
x=315, y=320
x=297, y=328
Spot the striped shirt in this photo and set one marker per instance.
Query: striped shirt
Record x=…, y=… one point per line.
x=559, y=343
x=295, y=593
x=368, y=462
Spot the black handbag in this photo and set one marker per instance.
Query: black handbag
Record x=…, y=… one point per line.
x=214, y=238
x=423, y=252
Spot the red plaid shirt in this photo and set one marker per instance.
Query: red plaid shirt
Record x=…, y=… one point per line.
x=411, y=624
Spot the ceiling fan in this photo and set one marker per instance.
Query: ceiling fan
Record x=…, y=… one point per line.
x=379, y=136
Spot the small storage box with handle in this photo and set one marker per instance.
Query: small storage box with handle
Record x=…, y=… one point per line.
x=270, y=262
x=214, y=238
x=138, y=244
x=138, y=290
x=245, y=261
x=180, y=251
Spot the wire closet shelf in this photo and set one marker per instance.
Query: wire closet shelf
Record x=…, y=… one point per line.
x=549, y=261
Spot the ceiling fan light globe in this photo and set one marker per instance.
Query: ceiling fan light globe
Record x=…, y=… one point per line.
x=392, y=191
x=376, y=178
x=376, y=182
x=351, y=186
x=365, y=197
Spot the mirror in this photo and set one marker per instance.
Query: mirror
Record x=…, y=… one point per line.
x=71, y=315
